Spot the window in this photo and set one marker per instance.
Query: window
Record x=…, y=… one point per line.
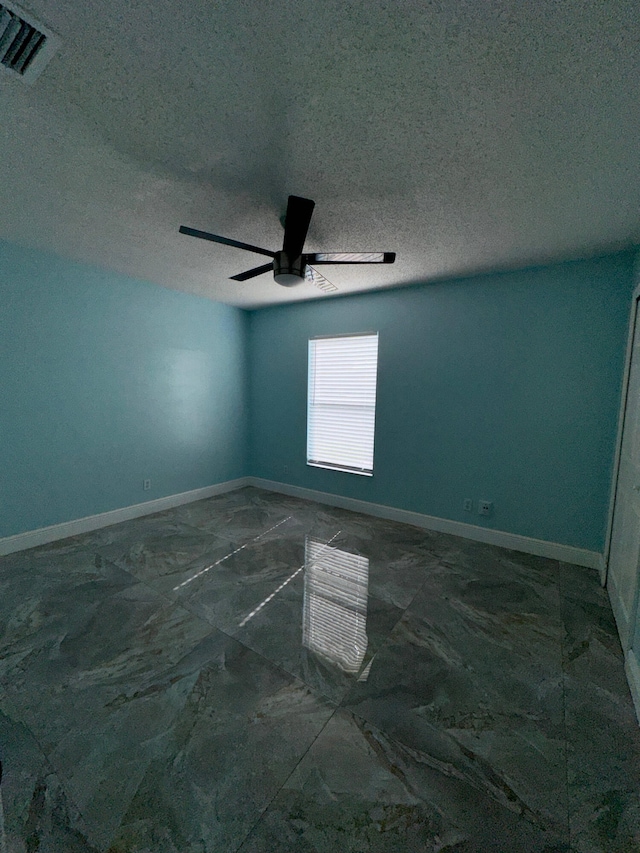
x=341, y=402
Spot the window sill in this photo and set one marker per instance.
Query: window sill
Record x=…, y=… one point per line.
x=329, y=467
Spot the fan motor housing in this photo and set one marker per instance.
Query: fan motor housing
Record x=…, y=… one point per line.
x=288, y=271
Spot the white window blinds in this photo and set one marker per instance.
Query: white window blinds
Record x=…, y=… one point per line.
x=342, y=402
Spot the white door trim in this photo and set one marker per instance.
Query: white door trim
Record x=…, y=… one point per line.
x=604, y=573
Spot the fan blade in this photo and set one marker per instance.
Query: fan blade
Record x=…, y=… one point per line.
x=351, y=258
x=243, y=276
x=296, y=225
x=319, y=280
x=215, y=238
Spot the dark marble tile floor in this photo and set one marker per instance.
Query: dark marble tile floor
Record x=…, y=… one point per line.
x=261, y=674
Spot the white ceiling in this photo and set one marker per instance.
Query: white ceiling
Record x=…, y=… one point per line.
x=464, y=136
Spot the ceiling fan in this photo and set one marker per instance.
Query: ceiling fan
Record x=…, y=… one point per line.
x=290, y=265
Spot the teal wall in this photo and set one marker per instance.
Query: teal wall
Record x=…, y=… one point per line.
x=502, y=387
x=106, y=381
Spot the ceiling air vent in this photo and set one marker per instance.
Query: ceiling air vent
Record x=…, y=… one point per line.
x=25, y=45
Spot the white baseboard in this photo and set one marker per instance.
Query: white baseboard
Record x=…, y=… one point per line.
x=602, y=569
x=619, y=610
x=43, y=535
x=632, y=668
x=539, y=547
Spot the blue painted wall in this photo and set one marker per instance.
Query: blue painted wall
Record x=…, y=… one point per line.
x=106, y=381
x=502, y=387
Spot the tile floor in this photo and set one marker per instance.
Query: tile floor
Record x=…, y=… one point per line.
x=262, y=674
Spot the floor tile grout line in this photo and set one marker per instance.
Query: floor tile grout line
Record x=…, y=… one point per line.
x=302, y=568
x=97, y=547
x=344, y=704
x=165, y=594
x=231, y=554
x=270, y=663
x=383, y=644
x=304, y=754
x=330, y=703
x=64, y=779
x=157, y=593
x=343, y=700
x=402, y=745
x=386, y=640
x=400, y=742
x=216, y=628
x=185, y=605
x=360, y=720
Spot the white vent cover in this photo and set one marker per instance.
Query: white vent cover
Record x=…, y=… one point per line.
x=25, y=45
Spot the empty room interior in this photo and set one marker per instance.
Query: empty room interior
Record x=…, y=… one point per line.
x=337, y=551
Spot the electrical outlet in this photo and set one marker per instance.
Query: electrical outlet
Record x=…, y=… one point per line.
x=467, y=505
x=146, y=485
x=285, y=469
x=485, y=507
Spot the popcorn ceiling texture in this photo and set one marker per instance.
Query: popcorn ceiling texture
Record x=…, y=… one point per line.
x=464, y=136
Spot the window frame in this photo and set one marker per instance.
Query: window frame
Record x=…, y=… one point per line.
x=331, y=466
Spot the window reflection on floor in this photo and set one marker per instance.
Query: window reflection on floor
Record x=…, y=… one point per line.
x=335, y=604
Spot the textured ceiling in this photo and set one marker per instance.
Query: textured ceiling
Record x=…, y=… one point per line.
x=464, y=136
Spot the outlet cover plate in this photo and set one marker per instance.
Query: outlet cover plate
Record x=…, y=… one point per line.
x=485, y=507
